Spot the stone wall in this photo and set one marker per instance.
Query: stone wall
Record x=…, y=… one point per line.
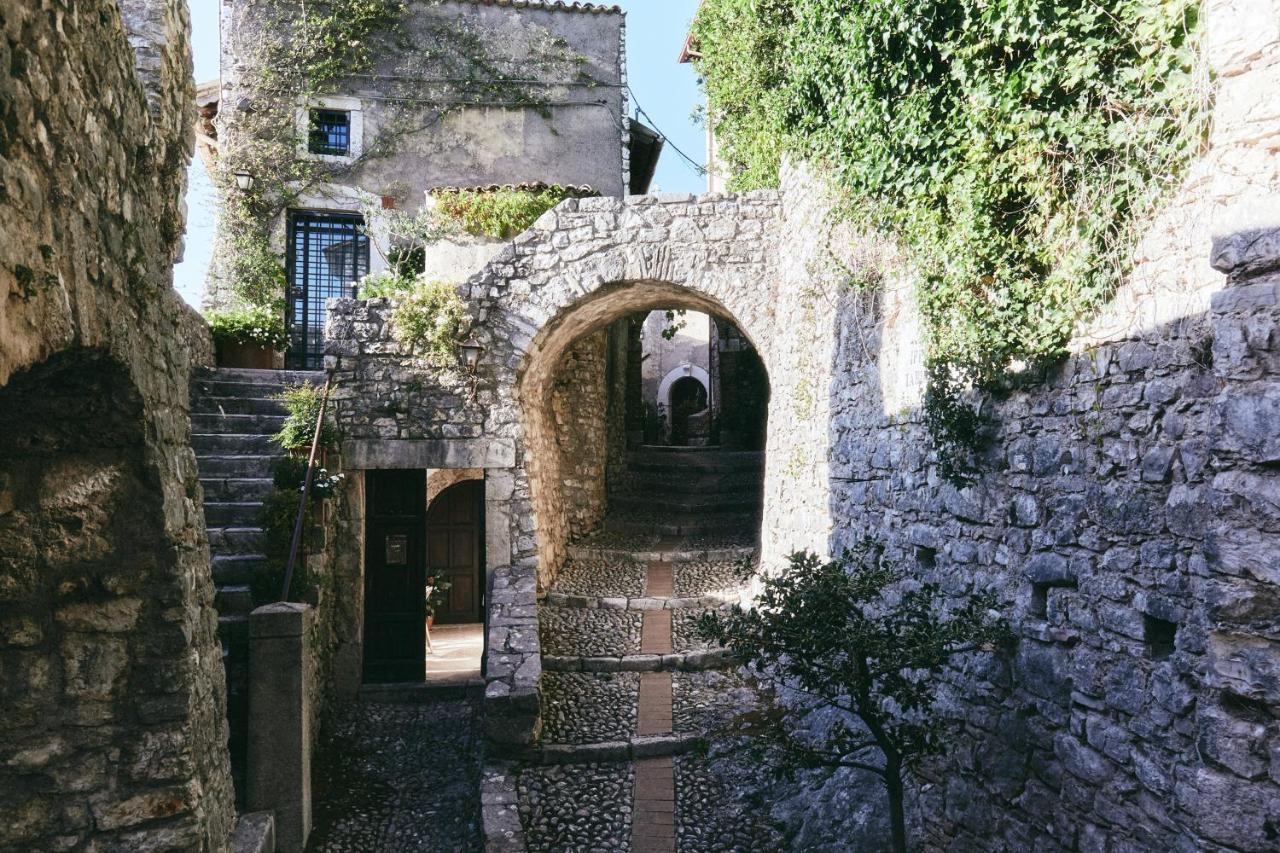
x=1124, y=515
x=111, y=679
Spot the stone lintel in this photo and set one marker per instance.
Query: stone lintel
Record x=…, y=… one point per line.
x=429, y=453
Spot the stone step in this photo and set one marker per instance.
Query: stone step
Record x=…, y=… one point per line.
x=691, y=482
x=654, y=549
x=554, y=598
x=231, y=514
x=212, y=443
x=234, y=599
x=215, y=386
x=233, y=630
x=238, y=406
x=243, y=541
x=236, y=467
x=738, y=502
x=692, y=661
x=658, y=459
x=236, y=569
x=640, y=746
x=723, y=524
x=236, y=488
x=249, y=374
x=237, y=424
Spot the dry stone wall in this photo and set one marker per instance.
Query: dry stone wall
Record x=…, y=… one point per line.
x=112, y=705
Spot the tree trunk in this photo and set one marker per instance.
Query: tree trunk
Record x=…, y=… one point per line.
x=897, y=821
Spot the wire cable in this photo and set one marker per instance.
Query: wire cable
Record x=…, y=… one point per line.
x=697, y=167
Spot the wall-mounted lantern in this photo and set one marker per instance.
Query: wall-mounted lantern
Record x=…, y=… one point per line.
x=244, y=181
x=471, y=352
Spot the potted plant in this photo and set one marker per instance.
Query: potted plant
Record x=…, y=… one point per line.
x=248, y=337
x=437, y=590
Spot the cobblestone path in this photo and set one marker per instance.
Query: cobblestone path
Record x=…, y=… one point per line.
x=629, y=690
x=399, y=777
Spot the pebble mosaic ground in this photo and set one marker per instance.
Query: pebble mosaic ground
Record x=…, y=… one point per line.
x=398, y=778
x=588, y=707
x=587, y=631
x=720, y=808
x=619, y=576
x=703, y=577
x=576, y=807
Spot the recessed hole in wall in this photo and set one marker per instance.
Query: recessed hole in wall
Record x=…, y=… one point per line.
x=1159, y=635
x=1039, y=599
x=926, y=558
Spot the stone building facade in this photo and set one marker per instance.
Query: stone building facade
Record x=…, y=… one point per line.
x=112, y=707
x=1123, y=516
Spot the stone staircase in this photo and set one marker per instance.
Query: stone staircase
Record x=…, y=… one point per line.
x=233, y=416
x=629, y=691
x=699, y=492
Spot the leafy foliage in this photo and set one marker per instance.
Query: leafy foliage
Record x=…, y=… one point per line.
x=387, y=283
x=1011, y=145
x=303, y=402
x=259, y=325
x=855, y=635
x=499, y=214
x=430, y=318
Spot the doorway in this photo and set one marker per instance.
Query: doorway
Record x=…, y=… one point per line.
x=455, y=551
x=327, y=254
x=395, y=576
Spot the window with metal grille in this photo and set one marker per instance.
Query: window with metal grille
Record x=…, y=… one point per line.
x=328, y=254
x=330, y=132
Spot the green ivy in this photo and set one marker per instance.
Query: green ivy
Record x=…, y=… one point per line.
x=430, y=318
x=1010, y=145
x=302, y=402
x=499, y=214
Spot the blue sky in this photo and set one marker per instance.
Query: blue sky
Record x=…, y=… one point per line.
x=666, y=90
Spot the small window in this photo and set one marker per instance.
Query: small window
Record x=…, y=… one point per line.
x=330, y=132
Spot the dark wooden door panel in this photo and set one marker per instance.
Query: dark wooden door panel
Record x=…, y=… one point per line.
x=395, y=577
x=455, y=527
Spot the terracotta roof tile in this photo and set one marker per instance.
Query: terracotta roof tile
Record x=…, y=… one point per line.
x=549, y=5
x=579, y=190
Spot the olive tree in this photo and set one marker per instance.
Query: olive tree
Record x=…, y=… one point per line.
x=857, y=635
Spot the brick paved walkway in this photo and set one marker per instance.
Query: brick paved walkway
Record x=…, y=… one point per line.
x=653, y=823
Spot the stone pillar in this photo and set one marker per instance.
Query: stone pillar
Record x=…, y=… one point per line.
x=280, y=668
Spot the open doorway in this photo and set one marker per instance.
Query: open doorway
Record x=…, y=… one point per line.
x=424, y=577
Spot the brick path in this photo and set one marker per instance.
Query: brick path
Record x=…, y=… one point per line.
x=653, y=823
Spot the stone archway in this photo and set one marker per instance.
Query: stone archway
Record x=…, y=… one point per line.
x=684, y=371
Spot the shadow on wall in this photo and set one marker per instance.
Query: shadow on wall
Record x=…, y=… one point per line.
x=1127, y=515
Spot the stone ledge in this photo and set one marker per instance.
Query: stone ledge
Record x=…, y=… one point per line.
x=683, y=662
x=429, y=453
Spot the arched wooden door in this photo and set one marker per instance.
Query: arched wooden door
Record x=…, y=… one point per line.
x=455, y=550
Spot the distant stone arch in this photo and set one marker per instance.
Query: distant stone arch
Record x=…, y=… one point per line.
x=684, y=371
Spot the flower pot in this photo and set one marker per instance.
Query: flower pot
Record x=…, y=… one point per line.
x=240, y=354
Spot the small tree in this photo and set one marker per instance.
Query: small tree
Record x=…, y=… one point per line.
x=856, y=635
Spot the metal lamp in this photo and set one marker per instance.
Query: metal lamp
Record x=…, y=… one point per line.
x=471, y=351
x=244, y=181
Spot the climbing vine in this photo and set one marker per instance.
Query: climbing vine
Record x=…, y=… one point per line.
x=500, y=213
x=1010, y=145
x=425, y=67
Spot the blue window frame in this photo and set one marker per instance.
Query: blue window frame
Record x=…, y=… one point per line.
x=330, y=132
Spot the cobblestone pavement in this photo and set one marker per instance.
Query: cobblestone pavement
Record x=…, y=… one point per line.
x=586, y=707
x=703, y=702
x=684, y=636
x=702, y=577
x=721, y=807
x=620, y=577
x=393, y=778
x=576, y=807
x=585, y=631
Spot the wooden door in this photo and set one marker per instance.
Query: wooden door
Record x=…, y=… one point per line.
x=455, y=550
x=395, y=576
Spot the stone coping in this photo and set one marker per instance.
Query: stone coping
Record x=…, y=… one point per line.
x=682, y=661
x=593, y=602
x=255, y=832
x=500, y=809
